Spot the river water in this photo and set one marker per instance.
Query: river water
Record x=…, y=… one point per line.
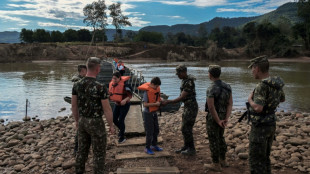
x=45, y=84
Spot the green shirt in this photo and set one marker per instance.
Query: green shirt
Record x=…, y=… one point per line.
x=89, y=95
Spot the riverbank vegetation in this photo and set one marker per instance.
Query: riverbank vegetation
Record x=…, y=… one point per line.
x=283, y=38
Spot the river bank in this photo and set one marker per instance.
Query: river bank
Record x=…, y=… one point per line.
x=46, y=146
x=11, y=53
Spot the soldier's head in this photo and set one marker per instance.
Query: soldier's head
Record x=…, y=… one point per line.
x=116, y=77
x=181, y=71
x=259, y=65
x=93, y=64
x=155, y=82
x=82, y=69
x=214, y=71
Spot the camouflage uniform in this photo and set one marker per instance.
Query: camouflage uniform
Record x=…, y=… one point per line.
x=91, y=125
x=220, y=91
x=190, y=109
x=76, y=78
x=268, y=93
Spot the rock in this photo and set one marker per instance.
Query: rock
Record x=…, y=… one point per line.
x=19, y=167
x=26, y=118
x=240, y=149
x=1, y=120
x=296, y=141
x=56, y=164
x=2, y=128
x=12, y=142
x=305, y=129
x=237, y=132
x=62, y=109
x=302, y=169
x=68, y=164
x=243, y=155
x=43, y=142
x=36, y=156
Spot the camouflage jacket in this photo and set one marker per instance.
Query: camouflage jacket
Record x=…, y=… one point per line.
x=268, y=93
x=220, y=91
x=89, y=94
x=188, y=85
x=76, y=78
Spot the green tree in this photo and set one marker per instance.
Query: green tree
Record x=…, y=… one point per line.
x=119, y=20
x=96, y=16
x=57, y=36
x=40, y=35
x=130, y=35
x=304, y=13
x=26, y=35
x=152, y=37
x=70, y=35
x=84, y=35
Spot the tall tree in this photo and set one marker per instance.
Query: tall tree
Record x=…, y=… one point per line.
x=303, y=12
x=26, y=35
x=40, y=35
x=84, y=35
x=70, y=35
x=96, y=16
x=119, y=20
x=57, y=36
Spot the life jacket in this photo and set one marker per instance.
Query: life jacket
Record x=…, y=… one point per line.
x=115, y=59
x=152, y=94
x=117, y=90
x=120, y=64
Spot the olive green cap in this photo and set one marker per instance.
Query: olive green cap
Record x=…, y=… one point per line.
x=180, y=68
x=257, y=60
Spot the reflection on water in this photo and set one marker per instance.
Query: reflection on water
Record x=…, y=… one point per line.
x=46, y=83
x=295, y=75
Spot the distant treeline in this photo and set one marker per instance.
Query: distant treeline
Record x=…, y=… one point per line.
x=279, y=39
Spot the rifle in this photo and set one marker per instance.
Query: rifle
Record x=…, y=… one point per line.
x=246, y=113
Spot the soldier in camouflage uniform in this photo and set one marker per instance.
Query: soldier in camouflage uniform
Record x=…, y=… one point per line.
x=263, y=103
x=219, y=105
x=188, y=97
x=82, y=70
x=89, y=102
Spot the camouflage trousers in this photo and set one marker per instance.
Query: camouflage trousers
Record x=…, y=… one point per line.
x=91, y=131
x=261, y=138
x=216, y=138
x=188, y=120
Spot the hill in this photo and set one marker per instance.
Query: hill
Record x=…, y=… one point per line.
x=288, y=11
x=9, y=37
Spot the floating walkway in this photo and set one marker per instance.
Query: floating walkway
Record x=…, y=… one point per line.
x=135, y=127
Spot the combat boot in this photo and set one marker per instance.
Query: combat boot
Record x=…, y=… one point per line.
x=180, y=150
x=224, y=163
x=216, y=167
x=189, y=151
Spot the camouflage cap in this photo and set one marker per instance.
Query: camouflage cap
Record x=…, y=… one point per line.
x=180, y=68
x=214, y=69
x=257, y=60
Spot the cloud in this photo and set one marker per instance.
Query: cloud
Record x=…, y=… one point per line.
x=137, y=22
x=197, y=3
x=51, y=24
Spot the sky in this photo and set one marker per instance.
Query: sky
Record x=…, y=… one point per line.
x=68, y=14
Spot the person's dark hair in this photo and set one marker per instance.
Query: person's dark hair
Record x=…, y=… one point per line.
x=263, y=66
x=80, y=67
x=156, y=81
x=215, y=73
x=117, y=74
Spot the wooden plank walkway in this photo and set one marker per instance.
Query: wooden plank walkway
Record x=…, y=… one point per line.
x=136, y=155
x=147, y=170
x=136, y=141
x=134, y=120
